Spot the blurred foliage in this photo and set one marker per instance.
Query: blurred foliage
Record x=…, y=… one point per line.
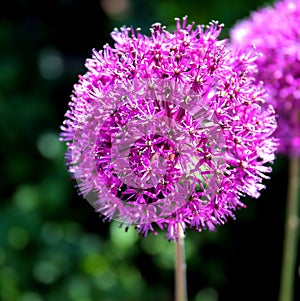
x=53, y=246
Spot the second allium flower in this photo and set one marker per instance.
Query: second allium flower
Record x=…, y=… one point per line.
x=275, y=32
x=169, y=129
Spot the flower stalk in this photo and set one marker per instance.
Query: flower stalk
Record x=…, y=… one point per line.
x=290, y=233
x=180, y=267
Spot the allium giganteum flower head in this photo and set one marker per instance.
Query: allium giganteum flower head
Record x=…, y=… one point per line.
x=275, y=32
x=169, y=129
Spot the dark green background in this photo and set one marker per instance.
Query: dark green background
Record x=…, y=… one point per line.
x=53, y=246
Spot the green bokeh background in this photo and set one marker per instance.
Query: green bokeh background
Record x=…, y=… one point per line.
x=53, y=245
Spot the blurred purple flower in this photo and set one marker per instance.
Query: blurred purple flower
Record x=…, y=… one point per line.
x=275, y=32
x=169, y=129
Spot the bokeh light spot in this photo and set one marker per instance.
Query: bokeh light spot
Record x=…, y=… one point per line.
x=26, y=197
x=154, y=245
x=31, y=296
x=121, y=239
x=49, y=146
x=106, y=281
x=131, y=278
x=161, y=250
x=50, y=63
x=45, y=272
x=116, y=9
x=18, y=237
x=8, y=284
x=95, y=264
x=207, y=294
x=79, y=288
x=52, y=232
x=90, y=244
x=72, y=232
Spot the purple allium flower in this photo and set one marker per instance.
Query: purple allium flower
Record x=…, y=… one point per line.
x=275, y=32
x=169, y=129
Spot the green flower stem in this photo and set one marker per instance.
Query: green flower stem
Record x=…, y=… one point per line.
x=180, y=267
x=291, y=233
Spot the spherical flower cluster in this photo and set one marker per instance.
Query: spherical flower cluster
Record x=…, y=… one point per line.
x=275, y=32
x=169, y=130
